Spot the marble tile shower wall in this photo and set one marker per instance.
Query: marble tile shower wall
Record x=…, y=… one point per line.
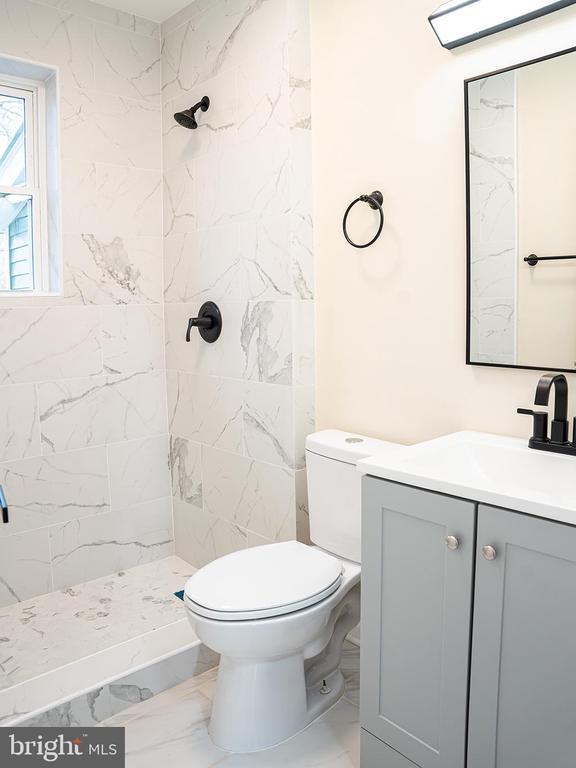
x=493, y=217
x=83, y=422
x=237, y=228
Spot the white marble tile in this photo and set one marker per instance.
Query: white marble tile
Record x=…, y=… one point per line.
x=235, y=262
x=54, y=489
x=85, y=711
x=268, y=266
x=200, y=537
x=300, y=174
x=179, y=203
x=255, y=540
x=268, y=423
x=266, y=339
x=126, y=64
x=206, y=409
x=496, y=325
x=134, y=536
x=24, y=572
x=350, y=668
x=299, y=64
x=243, y=183
x=302, y=512
x=110, y=198
x=172, y=729
x=104, y=268
x=492, y=198
x=104, y=614
x=263, y=93
x=106, y=409
x=32, y=31
x=106, y=14
x=493, y=270
x=19, y=422
x=184, y=16
x=248, y=493
x=186, y=468
x=302, y=254
x=493, y=217
x=225, y=358
x=50, y=343
x=304, y=421
x=304, y=343
x=139, y=471
x=491, y=101
x=132, y=338
x=223, y=35
x=102, y=128
x=208, y=265
x=147, y=683
x=127, y=628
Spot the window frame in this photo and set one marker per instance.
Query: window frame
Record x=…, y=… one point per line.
x=34, y=94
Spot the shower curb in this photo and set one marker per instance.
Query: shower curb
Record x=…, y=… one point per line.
x=101, y=702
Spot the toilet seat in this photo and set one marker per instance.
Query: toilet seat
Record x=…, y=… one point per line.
x=270, y=580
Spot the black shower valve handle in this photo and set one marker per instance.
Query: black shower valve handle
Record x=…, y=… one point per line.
x=208, y=322
x=199, y=322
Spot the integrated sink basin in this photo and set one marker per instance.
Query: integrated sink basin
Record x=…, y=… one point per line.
x=501, y=471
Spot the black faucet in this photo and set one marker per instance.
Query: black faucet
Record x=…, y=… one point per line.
x=558, y=440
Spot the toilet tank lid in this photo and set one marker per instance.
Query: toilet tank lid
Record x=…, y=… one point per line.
x=349, y=447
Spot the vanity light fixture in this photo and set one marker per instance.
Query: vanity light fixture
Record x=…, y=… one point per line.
x=458, y=22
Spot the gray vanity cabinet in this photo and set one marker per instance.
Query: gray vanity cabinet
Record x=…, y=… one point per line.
x=523, y=671
x=416, y=603
x=451, y=679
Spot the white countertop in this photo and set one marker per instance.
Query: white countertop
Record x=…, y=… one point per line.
x=491, y=469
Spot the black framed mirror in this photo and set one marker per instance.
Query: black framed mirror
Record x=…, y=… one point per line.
x=521, y=215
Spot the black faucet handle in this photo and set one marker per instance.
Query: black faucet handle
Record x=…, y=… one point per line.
x=540, y=431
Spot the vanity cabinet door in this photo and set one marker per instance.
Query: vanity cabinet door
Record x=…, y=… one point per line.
x=416, y=610
x=523, y=679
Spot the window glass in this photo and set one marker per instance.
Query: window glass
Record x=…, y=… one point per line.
x=12, y=141
x=16, y=259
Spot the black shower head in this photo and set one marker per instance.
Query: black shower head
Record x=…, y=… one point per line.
x=187, y=118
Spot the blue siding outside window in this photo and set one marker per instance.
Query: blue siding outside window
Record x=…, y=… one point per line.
x=20, y=251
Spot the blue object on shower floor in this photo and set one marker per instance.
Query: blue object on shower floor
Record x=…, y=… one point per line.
x=179, y=595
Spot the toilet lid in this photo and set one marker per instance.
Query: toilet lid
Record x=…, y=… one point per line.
x=269, y=580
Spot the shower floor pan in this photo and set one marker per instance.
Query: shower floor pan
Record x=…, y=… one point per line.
x=78, y=656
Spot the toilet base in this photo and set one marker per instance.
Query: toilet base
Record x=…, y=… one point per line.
x=266, y=703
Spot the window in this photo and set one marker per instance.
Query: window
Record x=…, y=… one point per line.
x=24, y=247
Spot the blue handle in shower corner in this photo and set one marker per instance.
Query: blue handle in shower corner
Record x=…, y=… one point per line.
x=3, y=506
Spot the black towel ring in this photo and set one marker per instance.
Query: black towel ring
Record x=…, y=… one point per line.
x=374, y=200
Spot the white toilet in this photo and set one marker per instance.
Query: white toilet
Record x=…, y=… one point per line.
x=278, y=614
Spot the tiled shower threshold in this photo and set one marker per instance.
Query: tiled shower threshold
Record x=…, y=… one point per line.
x=78, y=656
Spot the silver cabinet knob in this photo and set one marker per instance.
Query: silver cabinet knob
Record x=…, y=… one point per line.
x=488, y=552
x=452, y=542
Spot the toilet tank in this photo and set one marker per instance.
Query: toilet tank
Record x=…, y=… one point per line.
x=334, y=488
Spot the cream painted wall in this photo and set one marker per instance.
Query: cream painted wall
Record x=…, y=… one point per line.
x=388, y=113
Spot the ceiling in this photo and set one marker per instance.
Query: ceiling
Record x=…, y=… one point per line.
x=156, y=10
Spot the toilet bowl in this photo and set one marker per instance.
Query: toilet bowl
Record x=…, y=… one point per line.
x=278, y=614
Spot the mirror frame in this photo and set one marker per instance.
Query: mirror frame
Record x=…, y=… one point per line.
x=468, y=223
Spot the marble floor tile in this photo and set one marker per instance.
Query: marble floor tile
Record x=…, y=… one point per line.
x=98, y=614
x=350, y=668
x=172, y=730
